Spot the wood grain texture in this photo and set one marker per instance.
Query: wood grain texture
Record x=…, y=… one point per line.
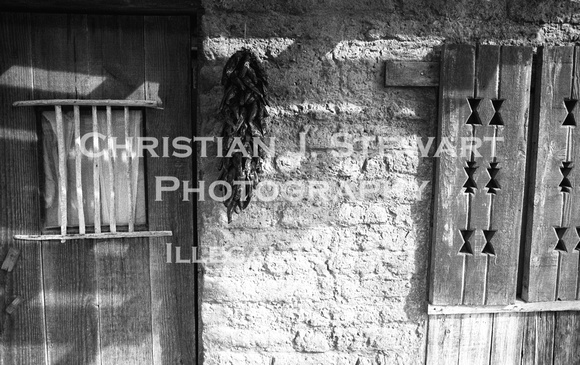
x=538, y=339
x=443, y=340
x=486, y=84
x=99, y=92
x=568, y=280
x=168, y=75
x=101, y=236
x=451, y=202
x=23, y=334
x=115, y=53
x=504, y=338
x=411, y=73
x=475, y=339
x=518, y=307
x=541, y=262
x=507, y=336
x=567, y=338
x=69, y=268
x=117, y=6
x=506, y=215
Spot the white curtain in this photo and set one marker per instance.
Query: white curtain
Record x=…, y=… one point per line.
x=120, y=164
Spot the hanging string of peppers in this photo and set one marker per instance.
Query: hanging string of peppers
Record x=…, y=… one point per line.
x=244, y=109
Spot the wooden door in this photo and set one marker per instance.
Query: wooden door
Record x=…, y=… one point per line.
x=95, y=301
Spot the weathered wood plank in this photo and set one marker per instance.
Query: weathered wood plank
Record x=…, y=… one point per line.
x=23, y=334
x=173, y=286
x=568, y=278
x=518, y=307
x=122, y=264
x=475, y=339
x=567, y=338
x=451, y=201
x=538, y=340
x=69, y=268
x=117, y=6
x=95, y=102
x=486, y=88
x=106, y=235
x=10, y=259
x=506, y=343
x=541, y=259
x=411, y=73
x=506, y=221
x=443, y=340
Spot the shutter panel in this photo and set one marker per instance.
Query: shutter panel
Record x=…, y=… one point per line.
x=551, y=251
x=479, y=193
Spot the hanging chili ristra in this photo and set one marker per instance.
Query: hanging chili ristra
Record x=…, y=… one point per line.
x=244, y=108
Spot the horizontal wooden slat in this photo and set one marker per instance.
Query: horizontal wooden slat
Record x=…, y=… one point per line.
x=53, y=237
x=106, y=6
x=113, y=103
x=412, y=73
x=519, y=307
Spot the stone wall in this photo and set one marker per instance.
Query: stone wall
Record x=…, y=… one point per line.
x=341, y=280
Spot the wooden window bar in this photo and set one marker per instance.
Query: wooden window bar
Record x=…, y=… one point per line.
x=62, y=170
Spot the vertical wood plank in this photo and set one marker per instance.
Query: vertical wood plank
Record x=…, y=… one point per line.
x=124, y=291
x=538, y=341
x=542, y=266
x=451, y=202
x=69, y=268
x=168, y=75
x=486, y=88
x=78, y=169
x=567, y=338
x=475, y=339
x=23, y=337
x=443, y=340
x=568, y=282
x=507, y=337
x=514, y=88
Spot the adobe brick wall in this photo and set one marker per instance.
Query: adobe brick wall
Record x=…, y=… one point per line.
x=341, y=281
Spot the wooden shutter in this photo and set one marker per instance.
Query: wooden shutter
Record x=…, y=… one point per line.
x=551, y=251
x=484, y=93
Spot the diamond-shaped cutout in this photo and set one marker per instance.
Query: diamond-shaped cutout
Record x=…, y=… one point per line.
x=488, y=247
x=470, y=184
x=496, y=119
x=570, y=104
x=466, y=249
x=577, y=248
x=560, y=245
x=474, y=118
x=565, y=184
